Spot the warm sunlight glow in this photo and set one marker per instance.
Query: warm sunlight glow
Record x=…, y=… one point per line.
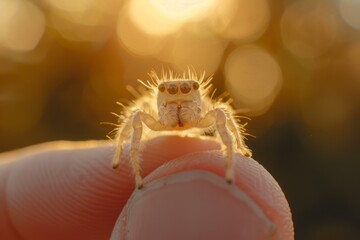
x=253, y=78
x=162, y=17
x=134, y=39
x=183, y=10
x=72, y=6
x=22, y=25
x=83, y=20
x=199, y=51
x=250, y=21
x=350, y=11
x=309, y=28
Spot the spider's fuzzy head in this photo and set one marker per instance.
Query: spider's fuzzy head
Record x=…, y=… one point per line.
x=186, y=87
x=177, y=91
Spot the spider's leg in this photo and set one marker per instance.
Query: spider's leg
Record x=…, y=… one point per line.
x=228, y=142
x=134, y=147
x=138, y=119
x=124, y=133
x=236, y=131
x=218, y=117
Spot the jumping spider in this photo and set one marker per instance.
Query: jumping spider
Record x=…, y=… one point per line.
x=179, y=102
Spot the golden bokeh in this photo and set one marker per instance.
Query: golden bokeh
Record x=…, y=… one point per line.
x=349, y=10
x=134, y=39
x=84, y=20
x=151, y=20
x=249, y=20
x=253, y=78
x=198, y=50
x=79, y=6
x=309, y=28
x=172, y=32
x=22, y=25
x=164, y=17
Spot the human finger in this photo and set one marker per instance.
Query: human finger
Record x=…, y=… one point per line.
x=68, y=190
x=188, y=198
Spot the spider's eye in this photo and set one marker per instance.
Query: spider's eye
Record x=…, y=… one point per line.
x=185, y=88
x=196, y=86
x=172, y=89
x=161, y=87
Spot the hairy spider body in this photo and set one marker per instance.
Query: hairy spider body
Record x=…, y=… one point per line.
x=178, y=103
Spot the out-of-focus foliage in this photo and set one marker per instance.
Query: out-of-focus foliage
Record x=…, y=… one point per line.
x=293, y=66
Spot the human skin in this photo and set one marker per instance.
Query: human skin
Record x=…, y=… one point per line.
x=68, y=190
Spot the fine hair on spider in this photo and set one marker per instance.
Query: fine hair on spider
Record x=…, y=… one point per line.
x=178, y=102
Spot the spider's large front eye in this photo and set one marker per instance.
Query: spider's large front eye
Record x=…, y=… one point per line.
x=185, y=88
x=196, y=86
x=161, y=87
x=172, y=89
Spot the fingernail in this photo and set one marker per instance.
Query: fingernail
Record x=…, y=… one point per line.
x=192, y=205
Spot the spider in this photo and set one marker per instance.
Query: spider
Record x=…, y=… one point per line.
x=179, y=103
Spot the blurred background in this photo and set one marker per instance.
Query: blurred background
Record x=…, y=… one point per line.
x=293, y=66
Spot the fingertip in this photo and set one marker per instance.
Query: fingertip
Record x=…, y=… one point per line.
x=193, y=203
x=250, y=177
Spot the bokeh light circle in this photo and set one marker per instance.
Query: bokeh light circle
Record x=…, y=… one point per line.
x=309, y=28
x=185, y=10
x=253, y=77
x=350, y=12
x=134, y=39
x=203, y=52
x=250, y=21
x=164, y=17
x=22, y=25
x=83, y=20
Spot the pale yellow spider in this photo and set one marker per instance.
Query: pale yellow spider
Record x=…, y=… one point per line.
x=179, y=102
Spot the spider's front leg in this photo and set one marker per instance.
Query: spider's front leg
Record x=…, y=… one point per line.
x=218, y=117
x=240, y=144
x=123, y=134
x=136, y=121
x=134, y=147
